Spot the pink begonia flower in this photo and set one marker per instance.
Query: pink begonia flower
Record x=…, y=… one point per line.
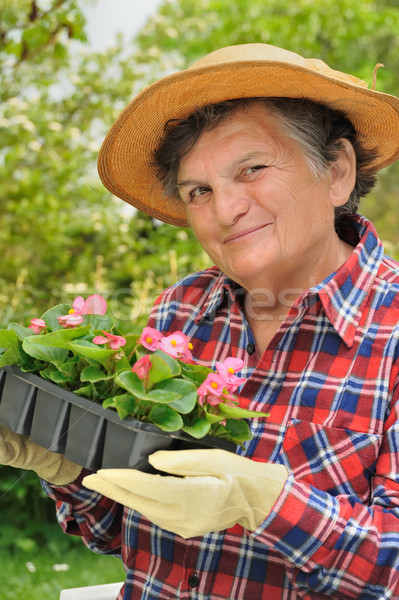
x=71, y=320
x=187, y=354
x=213, y=384
x=38, y=325
x=78, y=304
x=177, y=345
x=114, y=341
x=150, y=338
x=213, y=399
x=94, y=305
x=142, y=367
x=227, y=370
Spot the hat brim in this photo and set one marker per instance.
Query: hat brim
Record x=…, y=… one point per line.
x=124, y=161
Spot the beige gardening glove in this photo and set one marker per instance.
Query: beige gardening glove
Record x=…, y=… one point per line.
x=17, y=451
x=216, y=489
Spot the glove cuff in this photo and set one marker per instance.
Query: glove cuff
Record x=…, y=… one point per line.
x=59, y=470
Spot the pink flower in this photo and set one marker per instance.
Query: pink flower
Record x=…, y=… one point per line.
x=228, y=399
x=78, y=304
x=94, y=305
x=150, y=338
x=38, y=325
x=114, y=341
x=213, y=391
x=213, y=384
x=227, y=370
x=177, y=345
x=71, y=320
x=213, y=399
x=142, y=367
x=187, y=354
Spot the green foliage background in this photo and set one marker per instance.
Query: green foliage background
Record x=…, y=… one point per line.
x=62, y=234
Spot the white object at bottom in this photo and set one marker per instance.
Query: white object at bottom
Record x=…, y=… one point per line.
x=108, y=591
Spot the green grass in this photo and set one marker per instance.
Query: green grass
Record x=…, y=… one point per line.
x=85, y=568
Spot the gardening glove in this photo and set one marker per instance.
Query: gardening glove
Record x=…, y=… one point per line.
x=216, y=489
x=17, y=451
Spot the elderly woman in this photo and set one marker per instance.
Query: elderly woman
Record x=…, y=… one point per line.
x=265, y=155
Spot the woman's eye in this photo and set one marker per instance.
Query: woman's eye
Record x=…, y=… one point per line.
x=198, y=194
x=250, y=170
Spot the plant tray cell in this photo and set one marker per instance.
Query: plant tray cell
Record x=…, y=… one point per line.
x=17, y=405
x=82, y=430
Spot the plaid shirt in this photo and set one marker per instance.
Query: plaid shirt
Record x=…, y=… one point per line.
x=329, y=378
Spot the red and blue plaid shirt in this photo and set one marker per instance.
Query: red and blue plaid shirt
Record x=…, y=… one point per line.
x=329, y=378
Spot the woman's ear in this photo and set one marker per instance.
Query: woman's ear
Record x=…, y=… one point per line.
x=343, y=174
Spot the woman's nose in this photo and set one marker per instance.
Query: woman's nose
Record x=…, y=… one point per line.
x=230, y=203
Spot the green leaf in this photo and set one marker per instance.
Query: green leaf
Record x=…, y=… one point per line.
x=199, y=429
x=92, y=351
x=50, y=316
x=55, y=356
x=88, y=391
x=60, y=378
x=125, y=404
x=130, y=382
x=110, y=402
x=93, y=374
x=48, y=371
x=8, y=338
x=12, y=356
x=159, y=371
x=165, y=417
x=35, y=36
x=163, y=367
x=28, y=364
x=60, y=338
x=238, y=430
x=99, y=323
x=131, y=342
x=212, y=418
x=235, y=412
x=22, y=332
x=162, y=396
x=186, y=390
x=197, y=373
x=121, y=364
x=173, y=363
x=69, y=366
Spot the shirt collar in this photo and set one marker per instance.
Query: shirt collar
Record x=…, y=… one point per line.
x=342, y=294
x=223, y=287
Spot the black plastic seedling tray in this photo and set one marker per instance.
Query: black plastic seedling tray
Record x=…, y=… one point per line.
x=82, y=430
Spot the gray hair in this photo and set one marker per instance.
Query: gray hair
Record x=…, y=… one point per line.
x=317, y=128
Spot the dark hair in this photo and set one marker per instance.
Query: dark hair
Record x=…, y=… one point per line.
x=316, y=127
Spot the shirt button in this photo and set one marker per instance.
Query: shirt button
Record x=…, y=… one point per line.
x=193, y=580
x=250, y=348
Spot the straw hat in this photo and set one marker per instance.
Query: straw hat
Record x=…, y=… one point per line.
x=249, y=70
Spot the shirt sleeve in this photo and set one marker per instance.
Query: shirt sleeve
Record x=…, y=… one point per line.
x=85, y=513
x=338, y=545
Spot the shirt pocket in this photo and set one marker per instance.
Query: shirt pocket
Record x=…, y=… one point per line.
x=336, y=460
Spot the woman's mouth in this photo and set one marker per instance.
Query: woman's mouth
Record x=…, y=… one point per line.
x=239, y=235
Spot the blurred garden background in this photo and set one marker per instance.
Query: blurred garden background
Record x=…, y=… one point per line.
x=62, y=234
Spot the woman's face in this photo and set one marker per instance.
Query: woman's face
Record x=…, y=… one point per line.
x=254, y=204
